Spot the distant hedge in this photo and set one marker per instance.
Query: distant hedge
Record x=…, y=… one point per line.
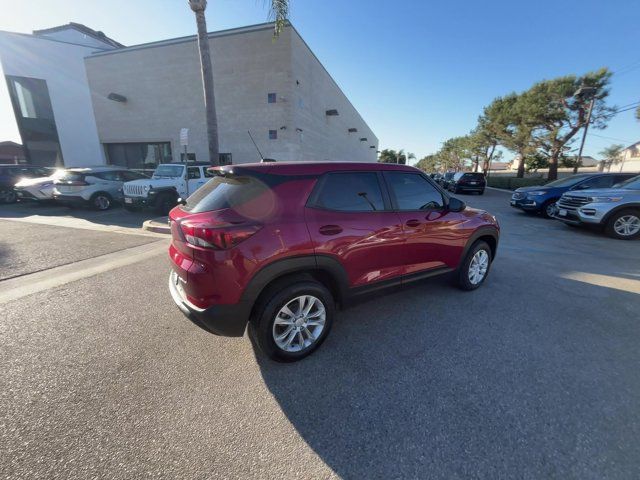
x=511, y=183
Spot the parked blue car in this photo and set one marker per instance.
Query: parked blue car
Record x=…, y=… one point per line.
x=542, y=198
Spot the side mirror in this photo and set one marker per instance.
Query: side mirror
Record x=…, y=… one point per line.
x=182, y=201
x=456, y=205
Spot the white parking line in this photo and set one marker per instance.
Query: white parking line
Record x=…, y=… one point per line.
x=24, y=285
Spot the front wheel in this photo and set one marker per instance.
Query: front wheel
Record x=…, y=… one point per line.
x=624, y=225
x=475, y=267
x=548, y=208
x=8, y=196
x=293, y=320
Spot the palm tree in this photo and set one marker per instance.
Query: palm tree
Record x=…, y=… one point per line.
x=278, y=12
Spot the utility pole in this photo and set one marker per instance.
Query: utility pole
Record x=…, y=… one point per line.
x=585, y=92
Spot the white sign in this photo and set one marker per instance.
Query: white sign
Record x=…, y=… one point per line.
x=184, y=137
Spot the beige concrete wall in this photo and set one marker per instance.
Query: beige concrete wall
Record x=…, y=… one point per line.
x=164, y=94
x=163, y=87
x=313, y=93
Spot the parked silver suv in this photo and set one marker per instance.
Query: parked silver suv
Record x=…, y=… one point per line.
x=98, y=187
x=616, y=209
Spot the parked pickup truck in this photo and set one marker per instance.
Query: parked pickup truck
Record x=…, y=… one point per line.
x=168, y=183
x=617, y=210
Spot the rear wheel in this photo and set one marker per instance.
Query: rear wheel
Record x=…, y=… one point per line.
x=292, y=319
x=475, y=267
x=624, y=225
x=8, y=196
x=101, y=201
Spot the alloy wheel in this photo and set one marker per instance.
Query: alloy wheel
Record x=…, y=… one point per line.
x=478, y=267
x=627, y=225
x=101, y=202
x=299, y=323
x=550, y=209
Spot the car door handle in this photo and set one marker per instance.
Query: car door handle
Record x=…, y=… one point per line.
x=413, y=223
x=330, y=229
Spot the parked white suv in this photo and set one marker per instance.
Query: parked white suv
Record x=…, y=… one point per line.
x=167, y=184
x=616, y=209
x=97, y=187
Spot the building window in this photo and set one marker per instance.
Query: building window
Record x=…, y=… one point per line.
x=225, y=159
x=34, y=116
x=273, y=134
x=138, y=156
x=271, y=97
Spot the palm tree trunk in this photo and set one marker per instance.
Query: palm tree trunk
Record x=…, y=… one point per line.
x=207, y=81
x=553, y=165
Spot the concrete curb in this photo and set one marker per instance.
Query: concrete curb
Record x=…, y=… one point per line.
x=157, y=225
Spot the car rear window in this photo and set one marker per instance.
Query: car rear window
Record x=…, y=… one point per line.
x=473, y=176
x=225, y=191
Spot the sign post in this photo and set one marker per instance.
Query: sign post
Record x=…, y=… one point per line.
x=184, y=142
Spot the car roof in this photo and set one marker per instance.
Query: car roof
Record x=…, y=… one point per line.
x=97, y=169
x=316, y=168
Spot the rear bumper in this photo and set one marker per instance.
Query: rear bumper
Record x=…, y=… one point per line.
x=469, y=188
x=223, y=320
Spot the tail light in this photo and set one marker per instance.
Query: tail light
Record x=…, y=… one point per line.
x=217, y=237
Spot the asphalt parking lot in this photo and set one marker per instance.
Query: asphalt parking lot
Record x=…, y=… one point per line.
x=534, y=375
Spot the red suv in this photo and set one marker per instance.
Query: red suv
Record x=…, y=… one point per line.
x=281, y=245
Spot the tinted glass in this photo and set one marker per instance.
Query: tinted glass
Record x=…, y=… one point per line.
x=169, y=171
x=473, y=176
x=193, y=172
x=128, y=176
x=413, y=192
x=598, y=182
x=631, y=184
x=350, y=192
x=110, y=176
x=72, y=177
x=229, y=191
x=567, y=182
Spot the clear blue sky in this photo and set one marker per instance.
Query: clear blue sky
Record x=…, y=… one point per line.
x=418, y=71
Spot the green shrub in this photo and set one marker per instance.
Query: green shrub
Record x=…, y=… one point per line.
x=511, y=183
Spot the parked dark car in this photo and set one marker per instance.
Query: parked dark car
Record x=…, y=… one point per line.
x=445, y=179
x=280, y=246
x=542, y=198
x=10, y=174
x=467, y=182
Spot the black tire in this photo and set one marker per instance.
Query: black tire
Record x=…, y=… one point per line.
x=101, y=201
x=545, y=210
x=481, y=192
x=463, y=276
x=261, y=326
x=165, y=202
x=9, y=196
x=611, y=230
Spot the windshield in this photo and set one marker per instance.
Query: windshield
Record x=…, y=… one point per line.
x=567, y=182
x=168, y=171
x=632, y=184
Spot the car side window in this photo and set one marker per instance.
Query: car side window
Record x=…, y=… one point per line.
x=413, y=192
x=598, y=182
x=109, y=176
x=128, y=176
x=208, y=173
x=193, y=172
x=349, y=192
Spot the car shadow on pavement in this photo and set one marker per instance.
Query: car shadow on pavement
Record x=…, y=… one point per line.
x=430, y=383
x=115, y=216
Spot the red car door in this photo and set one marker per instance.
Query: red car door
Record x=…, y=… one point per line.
x=350, y=219
x=434, y=236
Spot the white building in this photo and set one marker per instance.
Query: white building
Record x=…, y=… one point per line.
x=100, y=102
x=630, y=159
x=47, y=82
